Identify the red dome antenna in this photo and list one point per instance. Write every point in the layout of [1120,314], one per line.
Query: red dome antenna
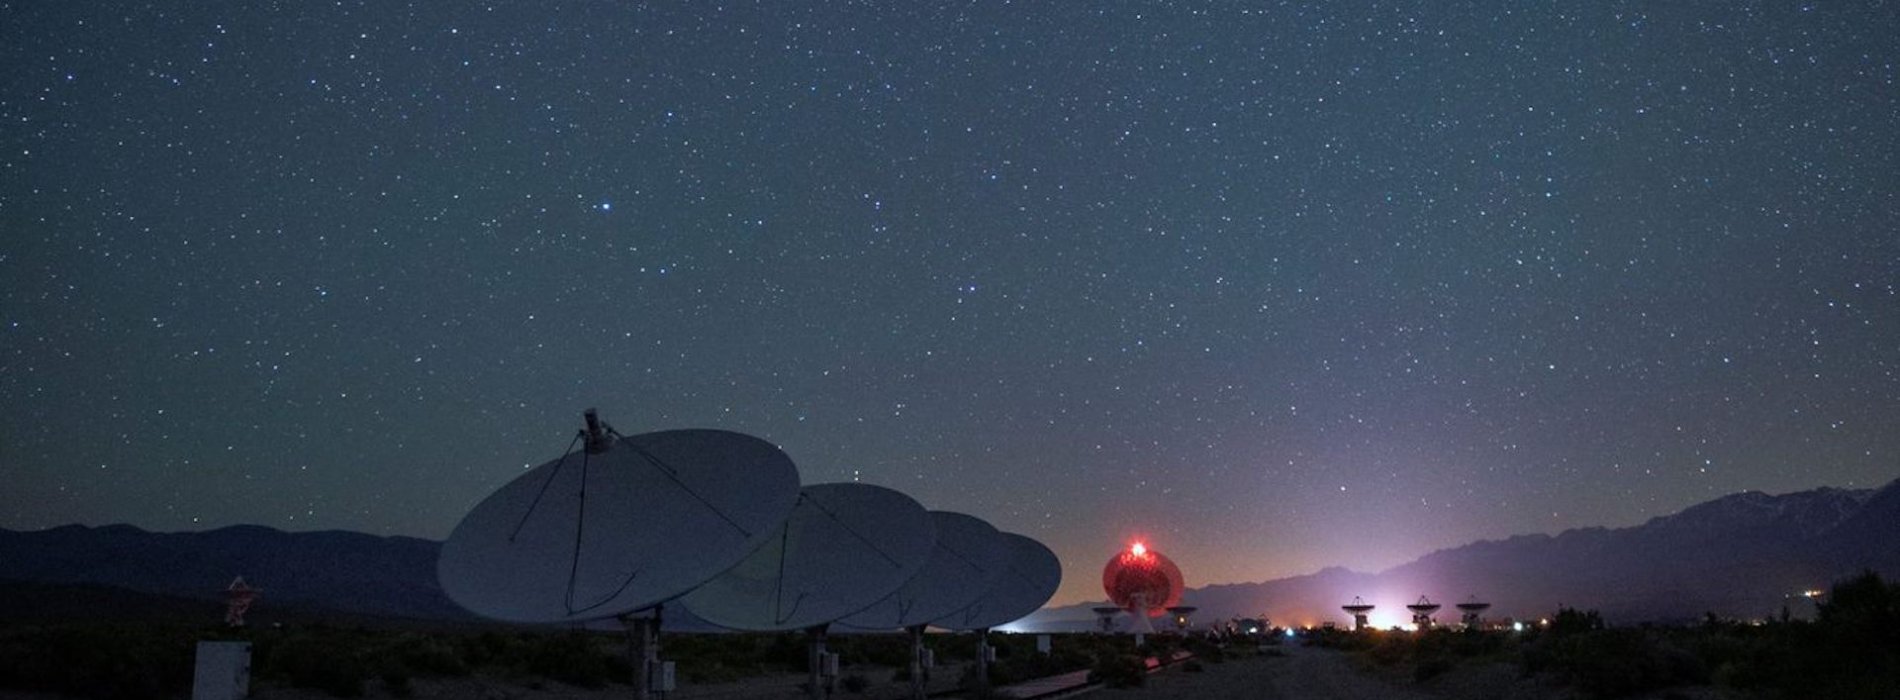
[1143,582]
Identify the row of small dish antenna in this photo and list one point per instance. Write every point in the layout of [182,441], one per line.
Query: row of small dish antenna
[1422,611]
[718,522]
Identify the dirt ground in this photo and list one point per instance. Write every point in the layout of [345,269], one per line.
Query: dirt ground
[1304,673]
[1297,673]
[774,687]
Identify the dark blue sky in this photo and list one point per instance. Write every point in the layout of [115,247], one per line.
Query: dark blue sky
[1312,284]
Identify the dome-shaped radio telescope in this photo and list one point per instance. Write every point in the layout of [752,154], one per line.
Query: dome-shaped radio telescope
[1144,582]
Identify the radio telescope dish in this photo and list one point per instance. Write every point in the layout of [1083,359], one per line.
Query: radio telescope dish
[968,556]
[1473,611]
[1361,612]
[1142,581]
[1422,612]
[845,547]
[618,526]
[1033,575]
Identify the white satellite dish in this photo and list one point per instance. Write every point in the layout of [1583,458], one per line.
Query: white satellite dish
[844,547]
[1034,574]
[968,558]
[620,526]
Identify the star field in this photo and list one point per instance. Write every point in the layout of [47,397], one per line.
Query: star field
[1275,288]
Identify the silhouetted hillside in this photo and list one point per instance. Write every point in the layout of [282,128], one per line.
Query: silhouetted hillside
[342,571]
[1741,555]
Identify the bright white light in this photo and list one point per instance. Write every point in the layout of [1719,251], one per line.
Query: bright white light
[1289,632]
[1384,619]
[1139,549]
[1517,627]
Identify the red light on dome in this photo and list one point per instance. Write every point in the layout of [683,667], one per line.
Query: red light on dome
[1143,581]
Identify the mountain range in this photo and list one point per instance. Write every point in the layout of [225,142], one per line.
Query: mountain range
[1743,555]
[348,572]
[1746,555]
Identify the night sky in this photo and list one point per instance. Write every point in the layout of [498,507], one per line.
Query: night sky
[1311,284]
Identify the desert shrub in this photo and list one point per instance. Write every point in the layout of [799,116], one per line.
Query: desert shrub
[490,649]
[574,658]
[1473,643]
[1160,646]
[955,647]
[1430,668]
[887,650]
[717,658]
[318,659]
[1390,650]
[968,682]
[1852,652]
[1721,649]
[427,655]
[789,651]
[1863,610]
[1345,640]
[1615,663]
[1119,671]
[1205,650]
[707,671]
[109,663]
[1573,621]
[396,681]
[1019,666]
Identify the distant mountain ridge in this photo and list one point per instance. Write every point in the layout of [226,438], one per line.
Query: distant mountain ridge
[1743,555]
[343,571]
[1739,555]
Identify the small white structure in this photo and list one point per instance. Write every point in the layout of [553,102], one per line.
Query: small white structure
[223,671]
[662,677]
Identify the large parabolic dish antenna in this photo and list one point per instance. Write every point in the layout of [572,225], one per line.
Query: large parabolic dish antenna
[968,557]
[845,547]
[1142,581]
[1034,574]
[618,527]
